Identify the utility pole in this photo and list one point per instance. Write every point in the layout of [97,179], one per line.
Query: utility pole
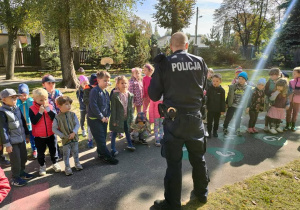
[196,27]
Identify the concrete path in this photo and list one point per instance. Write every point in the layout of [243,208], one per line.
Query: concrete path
[137,180]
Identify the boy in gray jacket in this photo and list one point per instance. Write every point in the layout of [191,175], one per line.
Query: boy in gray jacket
[14,133]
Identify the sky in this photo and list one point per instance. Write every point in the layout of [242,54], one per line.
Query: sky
[206,10]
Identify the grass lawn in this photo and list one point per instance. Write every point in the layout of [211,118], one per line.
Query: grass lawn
[275,189]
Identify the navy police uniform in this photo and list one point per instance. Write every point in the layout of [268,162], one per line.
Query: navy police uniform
[181,79]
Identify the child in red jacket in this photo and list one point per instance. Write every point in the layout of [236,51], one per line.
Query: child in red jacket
[4,185]
[41,115]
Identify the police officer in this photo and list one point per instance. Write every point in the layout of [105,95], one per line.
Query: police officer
[181,78]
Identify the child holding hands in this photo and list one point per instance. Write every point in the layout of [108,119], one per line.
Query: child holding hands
[121,113]
[66,126]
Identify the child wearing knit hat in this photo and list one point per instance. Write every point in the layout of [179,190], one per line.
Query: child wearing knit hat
[83,81]
[236,102]
[256,104]
[24,102]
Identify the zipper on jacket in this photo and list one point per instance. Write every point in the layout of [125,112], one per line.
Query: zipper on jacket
[45,124]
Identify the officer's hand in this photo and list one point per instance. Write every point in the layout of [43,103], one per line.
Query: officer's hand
[103,119]
[9,149]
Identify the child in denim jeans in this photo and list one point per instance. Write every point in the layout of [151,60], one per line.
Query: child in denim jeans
[14,133]
[66,126]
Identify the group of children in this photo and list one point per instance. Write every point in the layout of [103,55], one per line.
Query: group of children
[39,120]
[278,97]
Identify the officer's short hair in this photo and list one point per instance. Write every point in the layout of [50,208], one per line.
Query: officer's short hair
[179,39]
[219,76]
[102,74]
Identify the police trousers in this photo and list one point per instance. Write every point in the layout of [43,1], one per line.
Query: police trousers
[186,129]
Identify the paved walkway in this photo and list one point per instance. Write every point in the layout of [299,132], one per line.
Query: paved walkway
[137,180]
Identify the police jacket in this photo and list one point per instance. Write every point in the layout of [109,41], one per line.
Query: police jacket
[180,78]
[215,99]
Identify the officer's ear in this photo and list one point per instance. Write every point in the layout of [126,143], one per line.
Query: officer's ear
[186,45]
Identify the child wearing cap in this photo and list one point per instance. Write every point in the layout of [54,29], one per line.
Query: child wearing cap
[238,70]
[66,126]
[24,102]
[48,82]
[86,95]
[14,133]
[41,115]
[83,81]
[235,103]
[256,104]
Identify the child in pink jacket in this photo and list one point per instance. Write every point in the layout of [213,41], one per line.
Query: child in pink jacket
[148,71]
[294,96]
[155,118]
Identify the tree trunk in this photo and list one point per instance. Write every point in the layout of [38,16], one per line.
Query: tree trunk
[12,45]
[66,58]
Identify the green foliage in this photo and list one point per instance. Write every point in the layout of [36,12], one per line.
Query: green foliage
[137,49]
[220,55]
[174,14]
[49,57]
[289,38]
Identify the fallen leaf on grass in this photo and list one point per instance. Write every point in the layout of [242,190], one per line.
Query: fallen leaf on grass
[253,202]
[296,178]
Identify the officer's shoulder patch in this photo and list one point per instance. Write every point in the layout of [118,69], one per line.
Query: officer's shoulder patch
[159,58]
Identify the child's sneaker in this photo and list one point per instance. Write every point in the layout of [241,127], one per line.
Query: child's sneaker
[287,127]
[42,170]
[109,160]
[120,135]
[215,134]
[34,154]
[143,141]
[209,135]
[254,130]
[68,171]
[78,166]
[238,132]
[293,127]
[114,153]
[18,182]
[250,130]
[273,130]
[157,143]
[56,167]
[266,129]
[90,143]
[131,148]
[279,130]
[225,131]
[26,176]
[84,133]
